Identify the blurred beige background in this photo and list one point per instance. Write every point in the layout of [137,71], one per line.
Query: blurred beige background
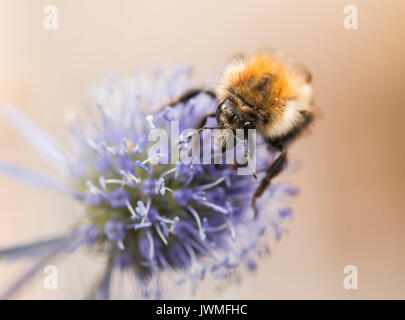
[351,208]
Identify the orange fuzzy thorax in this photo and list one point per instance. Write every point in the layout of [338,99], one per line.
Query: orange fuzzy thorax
[244,77]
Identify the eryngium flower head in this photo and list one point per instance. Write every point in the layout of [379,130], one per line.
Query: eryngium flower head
[191,221]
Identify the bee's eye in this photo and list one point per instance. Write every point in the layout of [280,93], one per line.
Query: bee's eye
[234,118]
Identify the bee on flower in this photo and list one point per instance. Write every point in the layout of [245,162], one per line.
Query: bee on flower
[193,222]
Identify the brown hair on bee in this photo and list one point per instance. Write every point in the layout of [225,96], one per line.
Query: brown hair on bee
[254,94]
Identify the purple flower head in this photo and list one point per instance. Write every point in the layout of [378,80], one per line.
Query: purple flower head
[118,198]
[125,163]
[93,199]
[102,163]
[116,230]
[189,222]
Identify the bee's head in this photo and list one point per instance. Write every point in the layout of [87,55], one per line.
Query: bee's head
[248,104]
[234,112]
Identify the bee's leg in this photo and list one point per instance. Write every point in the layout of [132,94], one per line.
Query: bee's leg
[272,171]
[203,120]
[189,94]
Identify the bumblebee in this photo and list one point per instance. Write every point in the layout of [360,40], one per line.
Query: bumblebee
[263,92]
